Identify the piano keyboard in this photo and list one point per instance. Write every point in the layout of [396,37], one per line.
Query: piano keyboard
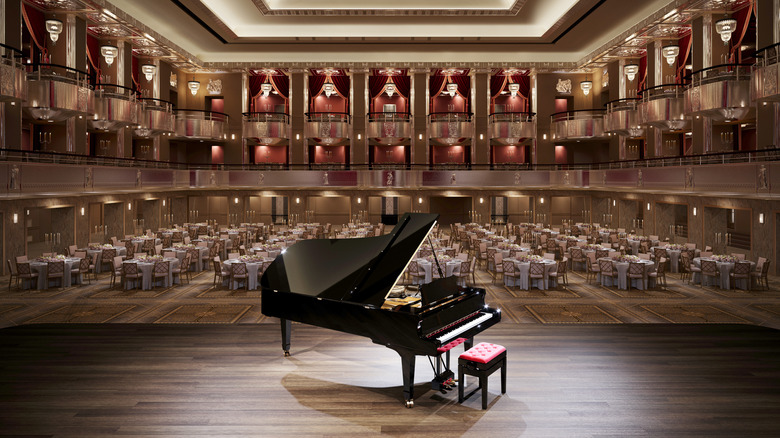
[446,337]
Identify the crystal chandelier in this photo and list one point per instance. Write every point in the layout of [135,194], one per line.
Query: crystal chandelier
[54,27]
[514,89]
[194,86]
[109,52]
[631,70]
[390,89]
[586,87]
[725,27]
[148,71]
[452,89]
[670,53]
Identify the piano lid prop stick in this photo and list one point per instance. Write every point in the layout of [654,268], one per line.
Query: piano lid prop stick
[364,276]
[436,259]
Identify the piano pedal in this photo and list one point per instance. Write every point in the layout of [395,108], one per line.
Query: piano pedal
[409,404]
[286,353]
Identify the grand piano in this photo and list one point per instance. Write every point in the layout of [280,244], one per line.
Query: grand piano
[352,285]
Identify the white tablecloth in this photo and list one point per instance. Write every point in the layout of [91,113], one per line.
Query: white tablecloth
[252,269]
[120,251]
[42,268]
[725,269]
[451,268]
[195,265]
[622,279]
[147,271]
[523,268]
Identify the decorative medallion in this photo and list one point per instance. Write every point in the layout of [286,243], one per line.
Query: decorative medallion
[563,86]
[214,86]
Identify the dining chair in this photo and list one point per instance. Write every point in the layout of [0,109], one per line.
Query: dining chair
[21,258]
[416,275]
[233,255]
[607,270]
[107,257]
[13,273]
[116,272]
[129,250]
[739,256]
[238,272]
[659,274]
[161,270]
[636,270]
[762,277]
[72,249]
[169,254]
[536,272]
[742,270]
[55,271]
[158,249]
[25,273]
[219,273]
[497,265]
[81,273]
[560,273]
[463,273]
[709,269]
[148,246]
[509,271]
[130,272]
[602,253]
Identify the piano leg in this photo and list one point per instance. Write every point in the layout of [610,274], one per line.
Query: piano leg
[286,329]
[407,368]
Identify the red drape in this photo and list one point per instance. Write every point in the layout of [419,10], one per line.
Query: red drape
[255,81]
[682,58]
[281,84]
[134,73]
[642,74]
[35,22]
[342,85]
[315,85]
[525,88]
[93,53]
[403,85]
[743,17]
[436,84]
[497,83]
[376,85]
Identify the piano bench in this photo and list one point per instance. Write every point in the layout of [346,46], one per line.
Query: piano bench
[445,349]
[481,361]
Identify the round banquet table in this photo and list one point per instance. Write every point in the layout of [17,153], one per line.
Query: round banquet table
[42,268]
[622,278]
[725,269]
[450,268]
[146,270]
[523,268]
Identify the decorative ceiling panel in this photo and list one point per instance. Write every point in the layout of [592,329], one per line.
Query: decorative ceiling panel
[421,8]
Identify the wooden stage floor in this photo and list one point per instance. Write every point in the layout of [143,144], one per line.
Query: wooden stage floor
[188,380]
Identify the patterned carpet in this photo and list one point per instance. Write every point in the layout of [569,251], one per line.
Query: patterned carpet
[579,303]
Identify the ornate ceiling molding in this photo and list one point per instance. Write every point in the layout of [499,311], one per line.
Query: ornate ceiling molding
[513,10]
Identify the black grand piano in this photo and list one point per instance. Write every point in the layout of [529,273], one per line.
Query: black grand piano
[350,285]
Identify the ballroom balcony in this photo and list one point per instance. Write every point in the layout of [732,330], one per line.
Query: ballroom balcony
[328,128]
[155,117]
[56,93]
[721,92]
[266,128]
[622,118]
[13,80]
[511,128]
[578,125]
[115,107]
[765,82]
[390,128]
[663,107]
[201,125]
[450,128]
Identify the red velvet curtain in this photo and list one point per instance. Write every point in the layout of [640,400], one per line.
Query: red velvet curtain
[342,85]
[376,84]
[403,85]
[682,58]
[642,74]
[255,81]
[525,88]
[35,22]
[134,73]
[281,84]
[497,83]
[436,85]
[93,52]
[315,85]
[743,17]
[464,88]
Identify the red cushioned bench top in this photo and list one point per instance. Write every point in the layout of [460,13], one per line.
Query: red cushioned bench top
[482,352]
[450,345]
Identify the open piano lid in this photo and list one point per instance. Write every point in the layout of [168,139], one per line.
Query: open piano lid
[332,268]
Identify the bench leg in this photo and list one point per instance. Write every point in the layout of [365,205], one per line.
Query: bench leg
[483,382]
[503,377]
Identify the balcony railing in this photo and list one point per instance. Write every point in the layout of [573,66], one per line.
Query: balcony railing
[155,116]
[13,81]
[721,92]
[201,125]
[328,128]
[56,92]
[389,128]
[663,107]
[765,83]
[511,128]
[450,128]
[116,107]
[578,125]
[622,117]
[266,128]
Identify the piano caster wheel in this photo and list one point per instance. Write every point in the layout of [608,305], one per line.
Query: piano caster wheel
[410,404]
[286,353]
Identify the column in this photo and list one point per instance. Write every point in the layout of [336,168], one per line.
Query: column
[11,112]
[480,104]
[298,109]
[420,147]
[767,113]
[359,103]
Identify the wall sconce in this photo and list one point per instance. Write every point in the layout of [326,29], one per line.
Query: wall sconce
[390,89]
[514,89]
[82,211]
[360,136]
[16,218]
[648,206]
[109,52]
[420,137]
[148,71]
[586,87]
[541,200]
[359,200]
[614,202]
[163,202]
[232,136]
[235,200]
[481,200]
[631,70]
[54,27]
[194,86]
[451,89]
[297,136]
[297,200]
[694,211]
[129,205]
[266,89]
[670,53]
[419,200]
[544,136]
[761,218]
[329,90]
[724,28]
[481,136]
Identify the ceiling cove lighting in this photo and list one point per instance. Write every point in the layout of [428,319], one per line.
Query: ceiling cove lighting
[54,27]
[109,52]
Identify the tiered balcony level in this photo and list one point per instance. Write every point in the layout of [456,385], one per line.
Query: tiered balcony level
[155,117]
[622,118]
[766,76]
[450,128]
[578,125]
[201,125]
[512,128]
[328,129]
[115,107]
[390,128]
[663,107]
[56,93]
[266,128]
[721,92]
[13,80]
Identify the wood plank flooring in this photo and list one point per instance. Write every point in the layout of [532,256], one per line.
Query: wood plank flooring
[193,380]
